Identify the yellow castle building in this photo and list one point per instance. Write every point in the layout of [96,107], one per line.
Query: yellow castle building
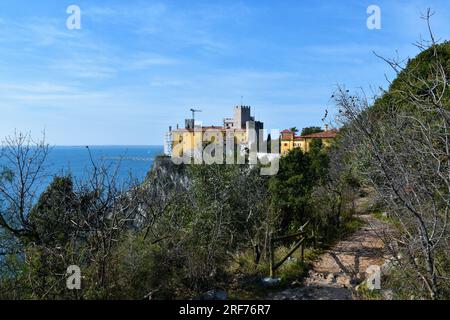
[183,141]
[290,141]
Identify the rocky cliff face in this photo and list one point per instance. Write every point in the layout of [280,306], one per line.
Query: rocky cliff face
[163,165]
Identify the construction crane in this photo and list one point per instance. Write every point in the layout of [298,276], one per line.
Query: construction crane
[193,114]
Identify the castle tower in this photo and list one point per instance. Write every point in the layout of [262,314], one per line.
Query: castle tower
[241,116]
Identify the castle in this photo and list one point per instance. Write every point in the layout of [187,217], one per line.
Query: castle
[179,142]
[183,141]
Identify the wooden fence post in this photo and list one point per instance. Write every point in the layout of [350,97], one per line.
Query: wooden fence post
[303,252]
[300,243]
[272,258]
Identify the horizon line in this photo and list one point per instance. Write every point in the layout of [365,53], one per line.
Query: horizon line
[105,145]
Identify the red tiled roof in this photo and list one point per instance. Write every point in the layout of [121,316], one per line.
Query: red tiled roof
[209,128]
[322,135]
[290,138]
[286,131]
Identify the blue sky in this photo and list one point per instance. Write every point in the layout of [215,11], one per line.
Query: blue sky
[136,67]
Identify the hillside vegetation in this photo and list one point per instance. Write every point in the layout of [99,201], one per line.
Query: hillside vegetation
[399,146]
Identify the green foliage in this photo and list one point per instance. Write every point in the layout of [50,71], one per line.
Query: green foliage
[51,216]
[351,225]
[139,270]
[228,211]
[6,174]
[365,293]
[292,271]
[399,147]
[417,69]
[311,130]
[291,188]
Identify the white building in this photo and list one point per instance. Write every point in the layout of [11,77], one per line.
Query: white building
[168,142]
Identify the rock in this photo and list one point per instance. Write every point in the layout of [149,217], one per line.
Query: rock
[331,278]
[296,283]
[343,281]
[388,264]
[387,294]
[270,281]
[292,259]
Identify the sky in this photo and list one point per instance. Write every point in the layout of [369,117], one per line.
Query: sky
[137,67]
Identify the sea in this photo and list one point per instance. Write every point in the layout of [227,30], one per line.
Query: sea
[78,161]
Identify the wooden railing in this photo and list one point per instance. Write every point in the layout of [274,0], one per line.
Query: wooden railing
[300,235]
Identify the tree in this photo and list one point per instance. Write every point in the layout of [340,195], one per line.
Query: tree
[333,198]
[401,144]
[53,213]
[291,187]
[311,130]
[22,177]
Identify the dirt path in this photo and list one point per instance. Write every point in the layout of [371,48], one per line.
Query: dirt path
[337,272]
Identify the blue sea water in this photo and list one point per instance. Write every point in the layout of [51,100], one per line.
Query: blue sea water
[130,160]
[129,164]
[124,161]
